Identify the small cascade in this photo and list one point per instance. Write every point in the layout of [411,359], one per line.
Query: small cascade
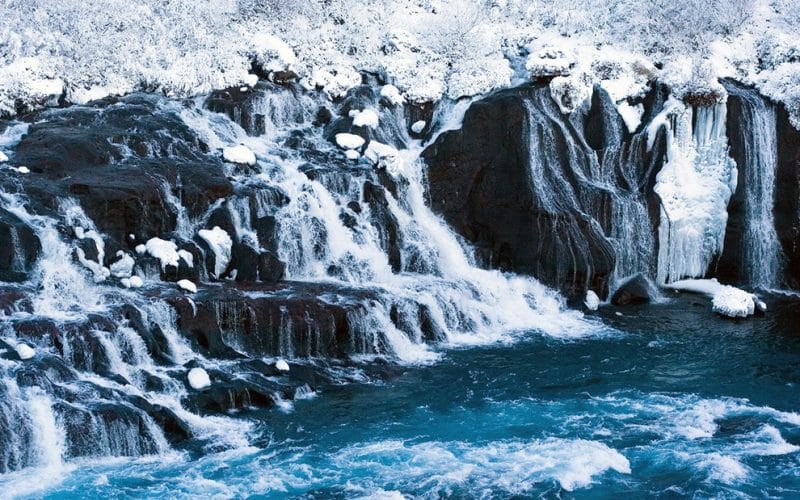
[589,200]
[695,185]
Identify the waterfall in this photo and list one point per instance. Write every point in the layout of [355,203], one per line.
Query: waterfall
[695,185]
[761,256]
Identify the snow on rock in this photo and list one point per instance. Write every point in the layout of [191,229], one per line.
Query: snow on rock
[349,141]
[392,94]
[352,154]
[479,76]
[187,257]
[136,282]
[385,156]
[24,351]
[335,80]
[733,303]
[725,299]
[163,250]
[366,118]
[282,365]
[188,286]
[239,154]
[3,157]
[631,115]
[198,378]
[418,126]
[141,249]
[272,53]
[592,301]
[122,268]
[23,170]
[221,244]
[251,80]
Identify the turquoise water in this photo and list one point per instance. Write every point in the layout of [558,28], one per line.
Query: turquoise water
[666,400]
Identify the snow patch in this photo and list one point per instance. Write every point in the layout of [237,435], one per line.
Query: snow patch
[239,154]
[122,268]
[221,244]
[418,126]
[392,94]
[382,155]
[282,365]
[726,300]
[349,141]
[592,301]
[188,286]
[163,250]
[366,118]
[24,351]
[198,378]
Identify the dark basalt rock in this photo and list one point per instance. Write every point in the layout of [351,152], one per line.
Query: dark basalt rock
[19,247]
[635,290]
[243,105]
[480,182]
[787,197]
[291,319]
[121,163]
[385,222]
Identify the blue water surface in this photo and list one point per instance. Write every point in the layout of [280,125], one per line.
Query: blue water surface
[665,400]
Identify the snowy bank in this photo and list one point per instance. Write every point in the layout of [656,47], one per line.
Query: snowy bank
[726,300]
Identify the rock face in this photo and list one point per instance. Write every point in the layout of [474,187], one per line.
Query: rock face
[20,247]
[516,182]
[787,198]
[121,167]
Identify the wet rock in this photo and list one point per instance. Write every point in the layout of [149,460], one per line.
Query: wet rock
[480,182]
[19,247]
[787,197]
[635,290]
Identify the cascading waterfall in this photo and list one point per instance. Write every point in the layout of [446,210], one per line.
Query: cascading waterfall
[695,185]
[761,253]
[576,189]
[118,359]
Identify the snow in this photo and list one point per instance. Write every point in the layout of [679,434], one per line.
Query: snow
[349,141]
[366,118]
[198,378]
[282,365]
[392,94]
[141,249]
[24,351]
[725,299]
[23,170]
[187,257]
[187,285]
[136,282]
[592,301]
[239,154]
[479,76]
[631,115]
[385,156]
[3,157]
[272,53]
[163,250]
[221,244]
[251,80]
[352,154]
[122,268]
[418,126]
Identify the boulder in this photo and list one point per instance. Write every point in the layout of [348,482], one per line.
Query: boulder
[19,247]
[635,290]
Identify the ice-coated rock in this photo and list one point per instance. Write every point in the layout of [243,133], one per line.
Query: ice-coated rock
[592,301]
[188,286]
[198,378]
[239,154]
[24,351]
[349,141]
